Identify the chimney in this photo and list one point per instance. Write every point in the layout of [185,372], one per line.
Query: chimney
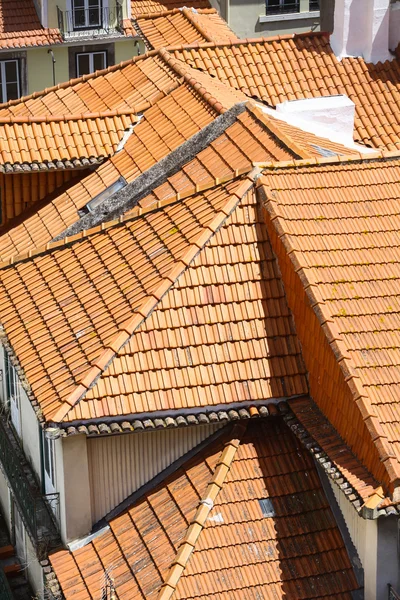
[328,116]
[361,28]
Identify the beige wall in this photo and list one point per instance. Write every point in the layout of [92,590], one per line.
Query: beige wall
[121,464]
[246,19]
[124,50]
[364,535]
[72,475]
[40,69]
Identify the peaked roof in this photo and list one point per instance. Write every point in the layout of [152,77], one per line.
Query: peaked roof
[228,156]
[21,28]
[140,7]
[339,224]
[303,66]
[183,26]
[246,516]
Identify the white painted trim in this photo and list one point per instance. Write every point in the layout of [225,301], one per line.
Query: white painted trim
[289,16]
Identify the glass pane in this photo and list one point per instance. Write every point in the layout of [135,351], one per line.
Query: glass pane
[99,61]
[11,71]
[83,64]
[12,91]
[94,16]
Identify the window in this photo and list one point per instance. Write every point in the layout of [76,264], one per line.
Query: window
[49,465]
[9,80]
[89,62]
[314,5]
[275,7]
[86,14]
[13,393]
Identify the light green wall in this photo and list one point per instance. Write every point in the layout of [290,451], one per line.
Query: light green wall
[40,70]
[124,50]
[52,11]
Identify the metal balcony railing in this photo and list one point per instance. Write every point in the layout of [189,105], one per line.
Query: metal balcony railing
[392,594]
[39,512]
[5,590]
[280,7]
[90,22]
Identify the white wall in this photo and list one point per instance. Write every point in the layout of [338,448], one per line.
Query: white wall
[30,434]
[121,464]
[394,26]
[364,535]
[72,476]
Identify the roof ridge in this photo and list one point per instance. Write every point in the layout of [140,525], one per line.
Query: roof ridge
[244,41]
[188,12]
[15,120]
[185,71]
[273,127]
[338,158]
[127,329]
[76,80]
[135,213]
[204,508]
[172,11]
[332,333]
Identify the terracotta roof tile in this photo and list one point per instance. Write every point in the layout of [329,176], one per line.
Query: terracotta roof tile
[341,224]
[21,28]
[221,335]
[270,530]
[61,142]
[183,27]
[140,7]
[301,66]
[232,153]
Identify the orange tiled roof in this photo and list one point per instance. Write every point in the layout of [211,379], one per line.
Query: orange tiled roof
[164,127]
[20,26]
[89,330]
[303,66]
[61,142]
[268,532]
[183,26]
[262,137]
[340,224]
[134,84]
[140,7]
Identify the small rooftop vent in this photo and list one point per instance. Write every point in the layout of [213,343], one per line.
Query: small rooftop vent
[105,194]
[333,115]
[267,508]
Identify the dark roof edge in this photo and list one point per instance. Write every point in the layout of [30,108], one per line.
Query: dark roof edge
[167,419]
[323,459]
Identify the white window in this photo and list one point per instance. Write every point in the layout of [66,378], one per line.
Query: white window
[86,14]
[13,393]
[89,62]
[49,465]
[275,7]
[9,80]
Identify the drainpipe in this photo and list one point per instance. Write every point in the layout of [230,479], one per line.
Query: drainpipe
[53,60]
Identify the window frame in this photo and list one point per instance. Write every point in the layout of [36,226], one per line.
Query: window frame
[280,9]
[91,60]
[49,465]
[4,98]
[87,26]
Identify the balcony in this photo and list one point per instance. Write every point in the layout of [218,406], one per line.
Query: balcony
[39,512]
[393,595]
[90,23]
